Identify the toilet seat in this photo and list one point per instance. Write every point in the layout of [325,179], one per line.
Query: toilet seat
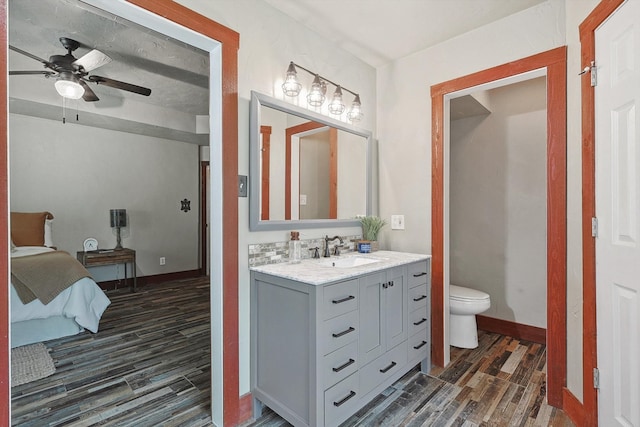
[462,294]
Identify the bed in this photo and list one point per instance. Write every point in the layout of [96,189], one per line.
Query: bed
[67,311]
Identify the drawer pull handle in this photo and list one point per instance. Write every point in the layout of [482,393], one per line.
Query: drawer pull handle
[420,298]
[388,367]
[341,367]
[422,344]
[419,322]
[424,273]
[345,299]
[391,283]
[345,332]
[343,401]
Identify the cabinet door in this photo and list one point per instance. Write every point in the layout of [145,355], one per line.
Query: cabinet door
[370,340]
[395,301]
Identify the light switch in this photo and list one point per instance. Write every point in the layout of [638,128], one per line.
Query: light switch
[303,199]
[397,222]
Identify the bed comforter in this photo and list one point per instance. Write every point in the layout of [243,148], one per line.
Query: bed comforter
[83,301]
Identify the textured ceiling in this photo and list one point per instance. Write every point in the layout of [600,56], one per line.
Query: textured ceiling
[177,73]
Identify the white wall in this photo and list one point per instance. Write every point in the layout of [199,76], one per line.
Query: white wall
[498,202]
[78,173]
[269,40]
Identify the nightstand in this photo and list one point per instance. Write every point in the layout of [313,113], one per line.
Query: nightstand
[111,257]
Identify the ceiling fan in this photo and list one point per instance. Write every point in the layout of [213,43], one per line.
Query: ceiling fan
[72,74]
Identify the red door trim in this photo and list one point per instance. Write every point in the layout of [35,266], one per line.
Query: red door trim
[589,329]
[555,62]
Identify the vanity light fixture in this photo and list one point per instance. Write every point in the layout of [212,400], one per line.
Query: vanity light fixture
[291,85]
[317,94]
[336,106]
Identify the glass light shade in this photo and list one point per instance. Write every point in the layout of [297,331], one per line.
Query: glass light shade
[316,96]
[355,113]
[336,106]
[291,85]
[69,89]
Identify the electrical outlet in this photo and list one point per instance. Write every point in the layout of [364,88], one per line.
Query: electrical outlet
[163,260]
[397,222]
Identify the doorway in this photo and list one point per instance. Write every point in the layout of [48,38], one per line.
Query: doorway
[497,200]
[171,18]
[553,64]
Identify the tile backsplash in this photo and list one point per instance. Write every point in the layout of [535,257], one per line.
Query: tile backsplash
[277,252]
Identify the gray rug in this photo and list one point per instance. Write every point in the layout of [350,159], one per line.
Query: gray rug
[29,363]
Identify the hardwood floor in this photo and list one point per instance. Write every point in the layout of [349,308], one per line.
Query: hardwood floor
[149,365]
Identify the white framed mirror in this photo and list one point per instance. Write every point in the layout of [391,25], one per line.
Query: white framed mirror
[307,170]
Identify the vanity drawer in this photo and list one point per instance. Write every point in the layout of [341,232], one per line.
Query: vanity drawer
[341,400]
[418,273]
[340,298]
[382,368]
[418,320]
[419,346]
[339,331]
[340,364]
[418,297]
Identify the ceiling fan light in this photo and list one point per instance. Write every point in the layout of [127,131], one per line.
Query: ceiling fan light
[316,96]
[69,89]
[291,85]
[355,113]
[336,106]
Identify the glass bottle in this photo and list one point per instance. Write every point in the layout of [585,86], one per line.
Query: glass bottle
[295,248]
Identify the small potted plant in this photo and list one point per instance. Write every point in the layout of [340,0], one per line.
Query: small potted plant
[371,226]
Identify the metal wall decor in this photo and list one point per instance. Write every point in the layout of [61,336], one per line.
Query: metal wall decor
[186,205]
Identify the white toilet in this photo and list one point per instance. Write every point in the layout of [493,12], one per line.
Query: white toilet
[464,304]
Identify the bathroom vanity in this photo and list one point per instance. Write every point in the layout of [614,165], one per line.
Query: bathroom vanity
[328,335]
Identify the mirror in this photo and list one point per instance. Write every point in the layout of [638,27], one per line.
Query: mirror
[306,170]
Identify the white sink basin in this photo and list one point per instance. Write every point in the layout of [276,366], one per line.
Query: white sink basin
[348,262]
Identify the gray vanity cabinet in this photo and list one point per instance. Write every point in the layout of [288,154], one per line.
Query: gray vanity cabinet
[320,352]
[383,310]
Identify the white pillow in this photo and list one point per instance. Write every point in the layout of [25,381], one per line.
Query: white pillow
[48,225]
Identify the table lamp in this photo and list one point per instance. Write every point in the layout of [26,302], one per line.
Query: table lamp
[118,219]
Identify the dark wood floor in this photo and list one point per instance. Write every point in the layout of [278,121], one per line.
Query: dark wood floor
[149,365]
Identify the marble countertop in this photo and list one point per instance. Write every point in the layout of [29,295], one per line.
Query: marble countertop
[320,271]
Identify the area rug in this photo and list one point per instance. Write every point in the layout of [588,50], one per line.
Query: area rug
[29,363]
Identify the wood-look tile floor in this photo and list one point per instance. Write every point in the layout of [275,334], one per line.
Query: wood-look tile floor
[500,383]
[149,365]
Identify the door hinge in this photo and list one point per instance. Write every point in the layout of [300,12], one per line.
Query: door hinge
[594,227]
[594,73]
[596,378]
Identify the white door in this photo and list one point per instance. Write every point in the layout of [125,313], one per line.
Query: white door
[617,108]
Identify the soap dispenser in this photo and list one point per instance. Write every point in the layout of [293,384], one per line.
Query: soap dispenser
[295,248]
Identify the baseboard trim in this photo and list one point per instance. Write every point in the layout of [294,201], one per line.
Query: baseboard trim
[512,329]
[572,407]
[245,408]
[111,285]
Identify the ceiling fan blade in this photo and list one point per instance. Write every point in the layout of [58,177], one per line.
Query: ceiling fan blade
[26,73]
[120,85]
[46,63]
[89,95]
[92,60]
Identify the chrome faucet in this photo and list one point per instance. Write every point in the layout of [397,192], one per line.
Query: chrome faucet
[328,239]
